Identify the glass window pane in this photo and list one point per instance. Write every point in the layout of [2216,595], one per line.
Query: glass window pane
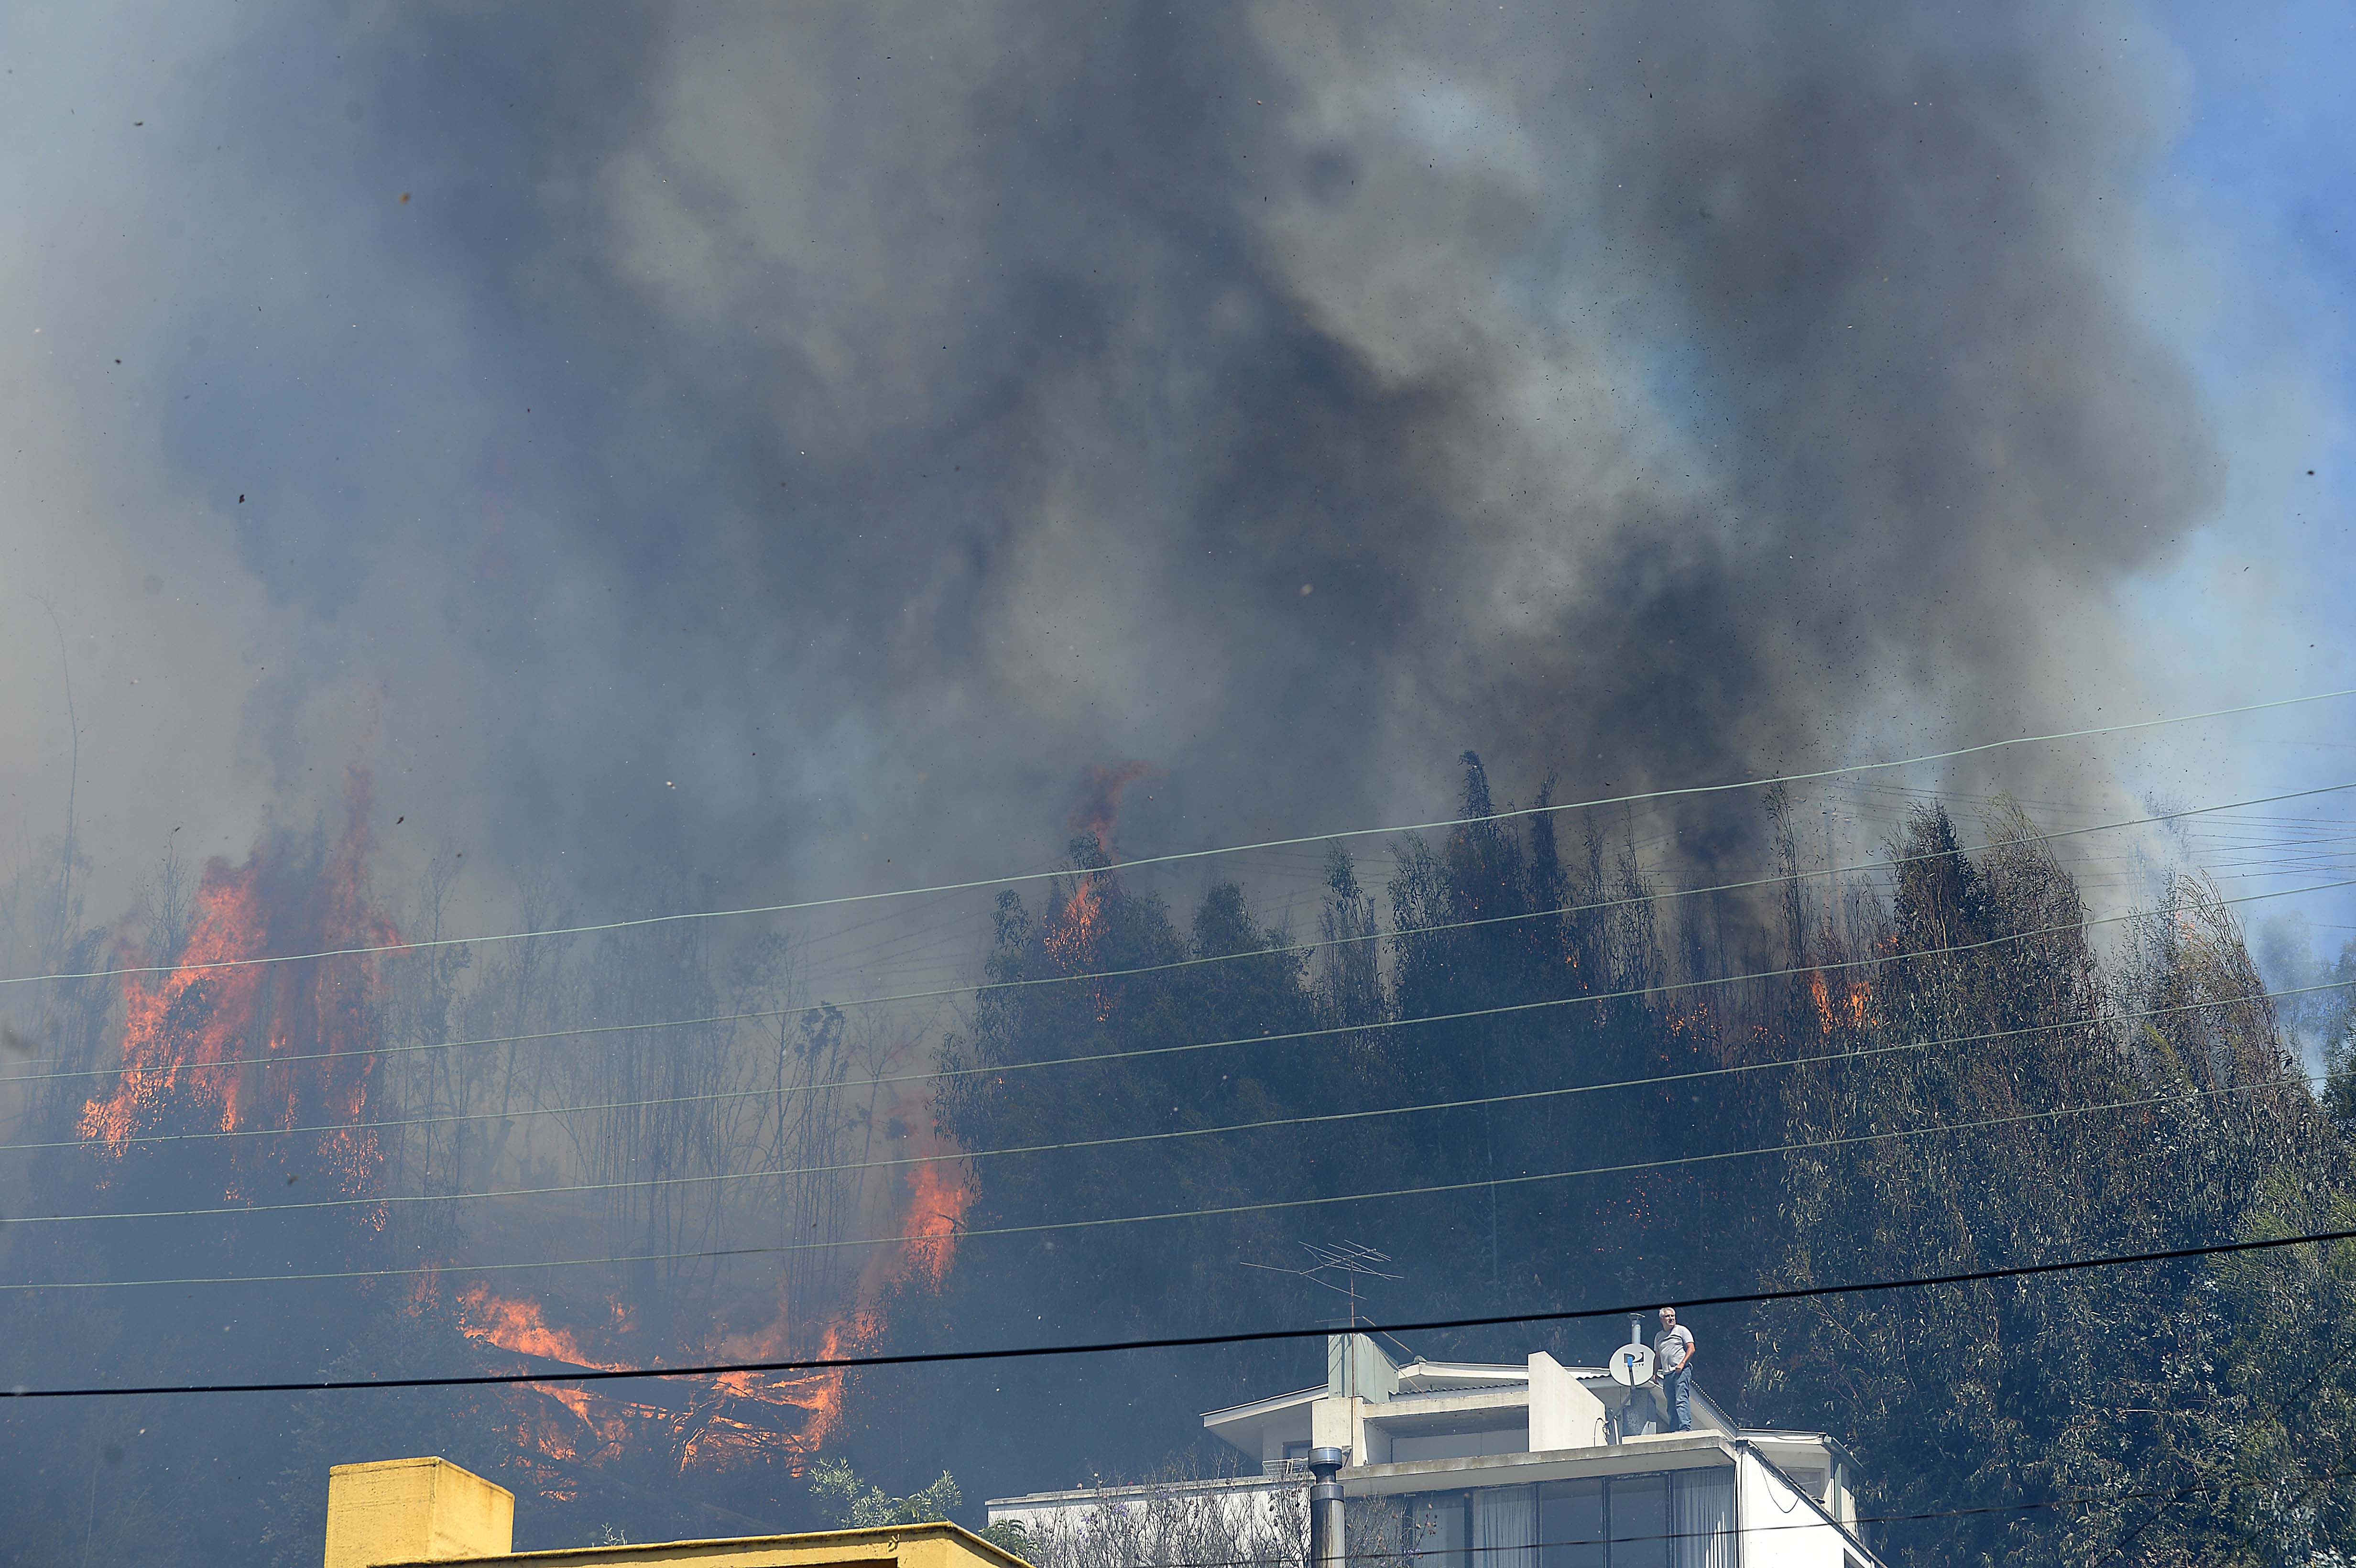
[1640,1521]
[1505,1526]
[1703,1517]
[1438,1530]
[1571,1525]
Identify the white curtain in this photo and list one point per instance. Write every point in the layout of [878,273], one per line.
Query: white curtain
[1701,1520]
[1505,1527]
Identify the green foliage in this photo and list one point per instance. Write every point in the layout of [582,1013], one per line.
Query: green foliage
[1009,1537]
[1324,1047]
[2074,1103]
[2340,1063]
[860,1505]
[2109,1384]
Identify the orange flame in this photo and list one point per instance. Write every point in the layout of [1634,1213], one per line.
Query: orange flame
[937,1202]
[522,1326]
[1099,806]
[1852,1008]
[737,1418]
[1073,935]
[201,1045]
[1072,938]
[936,1206]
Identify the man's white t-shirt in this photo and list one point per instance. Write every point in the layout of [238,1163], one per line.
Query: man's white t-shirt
[1673,1348]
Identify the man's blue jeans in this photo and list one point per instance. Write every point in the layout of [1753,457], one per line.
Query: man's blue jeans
[1677,1392]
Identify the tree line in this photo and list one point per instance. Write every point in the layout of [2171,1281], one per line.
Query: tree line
[1963,1074]
[1960,1071]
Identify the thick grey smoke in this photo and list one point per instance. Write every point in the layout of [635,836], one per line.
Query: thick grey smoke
[1293,399]
[786,448]
[708,454]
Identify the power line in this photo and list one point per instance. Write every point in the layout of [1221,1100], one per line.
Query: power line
[1198,1341]
[1272,1038]
[1216,1212]
[1191,1046]
[771,1014]
[1687,791]
[509,1115]
[1125,1139]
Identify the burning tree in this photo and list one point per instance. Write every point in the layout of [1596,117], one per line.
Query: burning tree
[349,1111]
[219,1044]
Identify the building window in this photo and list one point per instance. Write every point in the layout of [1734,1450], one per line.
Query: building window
[1701,1520]
[1640,1521]
[1505,1527]
[1439,1530]
[1682,1519]
[1408,1447]
[1570,1526]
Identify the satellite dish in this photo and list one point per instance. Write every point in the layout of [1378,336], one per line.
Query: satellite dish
[1631,1366]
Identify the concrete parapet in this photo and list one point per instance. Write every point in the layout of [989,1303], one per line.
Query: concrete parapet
[414,1510]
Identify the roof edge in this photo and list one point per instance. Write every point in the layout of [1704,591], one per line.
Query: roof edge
[638,1550]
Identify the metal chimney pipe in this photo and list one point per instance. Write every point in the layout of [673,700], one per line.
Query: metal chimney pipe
[1325,1542]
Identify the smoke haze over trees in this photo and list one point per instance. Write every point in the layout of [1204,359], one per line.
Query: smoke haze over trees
[486,471]
[2066,1103]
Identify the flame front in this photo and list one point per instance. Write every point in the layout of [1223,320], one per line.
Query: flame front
[1851,1007]
[936,1206]
[216,1043]
[272,1045]
[734,1418]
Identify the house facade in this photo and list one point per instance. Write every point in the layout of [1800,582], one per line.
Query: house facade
[1533,1465]
[402,1513]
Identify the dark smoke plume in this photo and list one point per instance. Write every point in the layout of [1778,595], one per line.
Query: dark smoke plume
[926,405]
[699,455]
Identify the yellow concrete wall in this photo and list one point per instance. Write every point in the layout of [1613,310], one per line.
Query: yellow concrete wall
[414,1510]
[903,1546]
[403,1512]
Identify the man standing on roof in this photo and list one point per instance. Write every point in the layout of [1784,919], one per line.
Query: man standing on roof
[1673,1353]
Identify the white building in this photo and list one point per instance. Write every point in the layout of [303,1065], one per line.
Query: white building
[1536,1465]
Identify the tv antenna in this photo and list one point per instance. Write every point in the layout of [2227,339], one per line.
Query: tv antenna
[1349,1260]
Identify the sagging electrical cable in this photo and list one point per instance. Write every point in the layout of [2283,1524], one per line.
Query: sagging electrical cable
[1131,1139]
[1198,1341]
[1176,964]
[212,1134]
[774,1014]
[1017,878]
[1326,1032]
[1219,1211]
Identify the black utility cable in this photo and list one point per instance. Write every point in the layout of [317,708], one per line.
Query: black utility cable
[1198,1341]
